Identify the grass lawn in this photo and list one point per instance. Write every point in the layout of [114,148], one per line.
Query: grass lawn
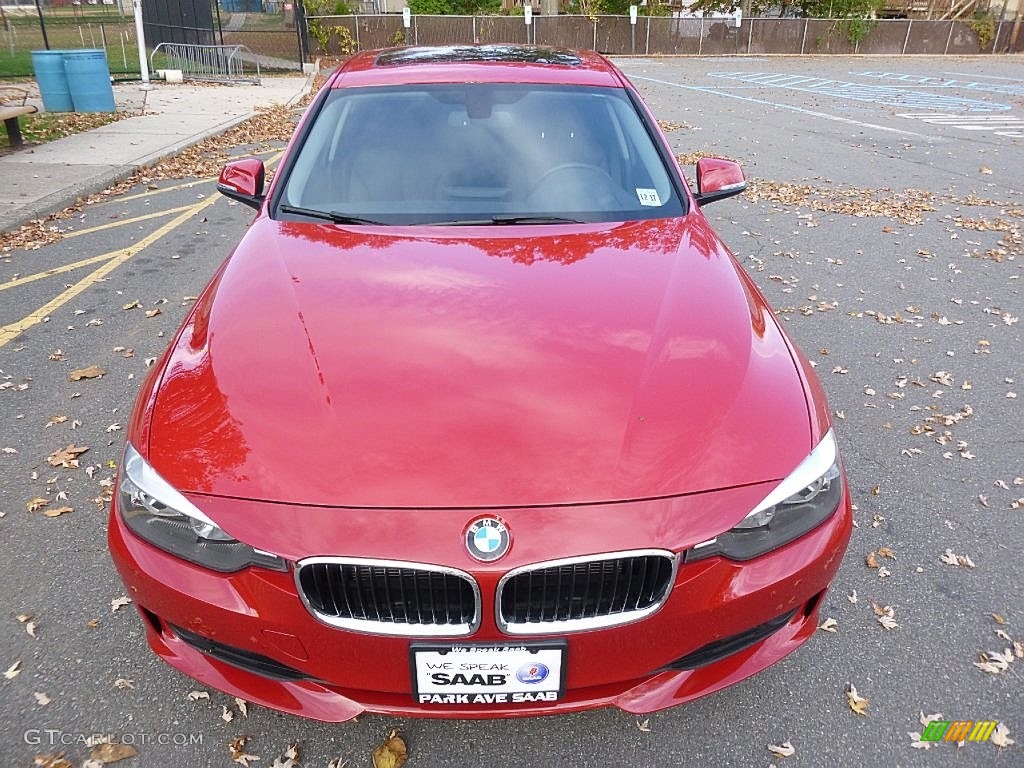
[47,126]
[17,44]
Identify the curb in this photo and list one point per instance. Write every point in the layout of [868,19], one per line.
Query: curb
[60,199]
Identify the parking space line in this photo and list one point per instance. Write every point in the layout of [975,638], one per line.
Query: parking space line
[790,107]
[882,95]
[122,222]
[11,331]
[61,269]
[194,182]
[112,259]
[161,190]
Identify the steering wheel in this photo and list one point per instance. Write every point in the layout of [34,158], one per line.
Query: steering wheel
[600,186]
[576,168]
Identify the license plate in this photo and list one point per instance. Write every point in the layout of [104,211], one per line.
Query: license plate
[488,674]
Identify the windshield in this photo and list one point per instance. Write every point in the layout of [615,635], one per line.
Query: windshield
[477,154]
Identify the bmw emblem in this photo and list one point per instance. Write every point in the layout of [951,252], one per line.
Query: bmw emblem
[487,538]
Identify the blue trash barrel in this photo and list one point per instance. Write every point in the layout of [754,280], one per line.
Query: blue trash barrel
[53,82]
[89,80]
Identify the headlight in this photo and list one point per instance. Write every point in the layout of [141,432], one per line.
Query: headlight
[800,503]
[156,512]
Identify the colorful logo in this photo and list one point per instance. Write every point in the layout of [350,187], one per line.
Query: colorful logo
[487,538]
[533,673]
[958,730]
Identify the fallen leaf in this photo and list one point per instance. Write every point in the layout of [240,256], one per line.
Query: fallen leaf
[829,625]
[391,754]
[36,504]
[995,662]
[1001,736]
[52,761]
[290,759]
[925,720]
[112,753]
[196,695]
[132,305]
[240,703]
[124,684]
[57,511]
[916,743]
[92,372]
[226,714]
[119,602]
[858,704]
[237,749]
[152,312]
[888,622]
[952,559]
[41,698]
[785,750]
[13,671]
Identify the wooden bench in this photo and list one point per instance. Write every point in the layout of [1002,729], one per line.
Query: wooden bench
[11,111]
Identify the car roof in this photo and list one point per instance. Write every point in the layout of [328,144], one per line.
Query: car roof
[477,63]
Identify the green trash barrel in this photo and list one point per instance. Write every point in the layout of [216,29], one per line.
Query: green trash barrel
[89,80]
[52,80]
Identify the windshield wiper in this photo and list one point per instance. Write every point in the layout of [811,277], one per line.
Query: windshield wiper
[332,216]
[506,220]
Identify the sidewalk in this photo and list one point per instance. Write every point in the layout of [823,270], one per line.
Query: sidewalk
[46,178]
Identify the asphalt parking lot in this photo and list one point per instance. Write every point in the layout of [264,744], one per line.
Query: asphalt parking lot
[884,222]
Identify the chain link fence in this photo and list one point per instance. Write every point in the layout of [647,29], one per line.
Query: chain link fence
[281,38]
[660,35]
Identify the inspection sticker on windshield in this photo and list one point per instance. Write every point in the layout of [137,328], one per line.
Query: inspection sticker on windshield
[488,674]
[648,196]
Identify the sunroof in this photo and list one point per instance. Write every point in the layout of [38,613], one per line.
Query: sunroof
[479,53]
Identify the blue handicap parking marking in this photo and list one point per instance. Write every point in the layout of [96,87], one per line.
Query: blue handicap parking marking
[881,95]
[1000,125]
[1008,88]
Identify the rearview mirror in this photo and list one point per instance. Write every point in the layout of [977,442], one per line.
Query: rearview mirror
[243,181]
[718,179]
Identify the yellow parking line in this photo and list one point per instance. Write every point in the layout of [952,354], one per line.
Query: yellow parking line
[122,222]
[92,259]
[194,182]
[152,192]
[61,269]
[10,332]
[113,259]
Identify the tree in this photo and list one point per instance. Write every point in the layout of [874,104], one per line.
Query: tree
[841,9]
[453,7]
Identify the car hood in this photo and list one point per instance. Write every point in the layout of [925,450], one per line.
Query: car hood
[484,367]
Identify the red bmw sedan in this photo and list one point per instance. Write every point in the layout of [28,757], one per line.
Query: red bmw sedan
[480,418]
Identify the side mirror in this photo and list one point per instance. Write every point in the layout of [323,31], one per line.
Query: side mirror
[718,179]
[243,181]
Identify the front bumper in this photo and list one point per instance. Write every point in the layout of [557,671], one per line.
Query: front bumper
[249,635]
